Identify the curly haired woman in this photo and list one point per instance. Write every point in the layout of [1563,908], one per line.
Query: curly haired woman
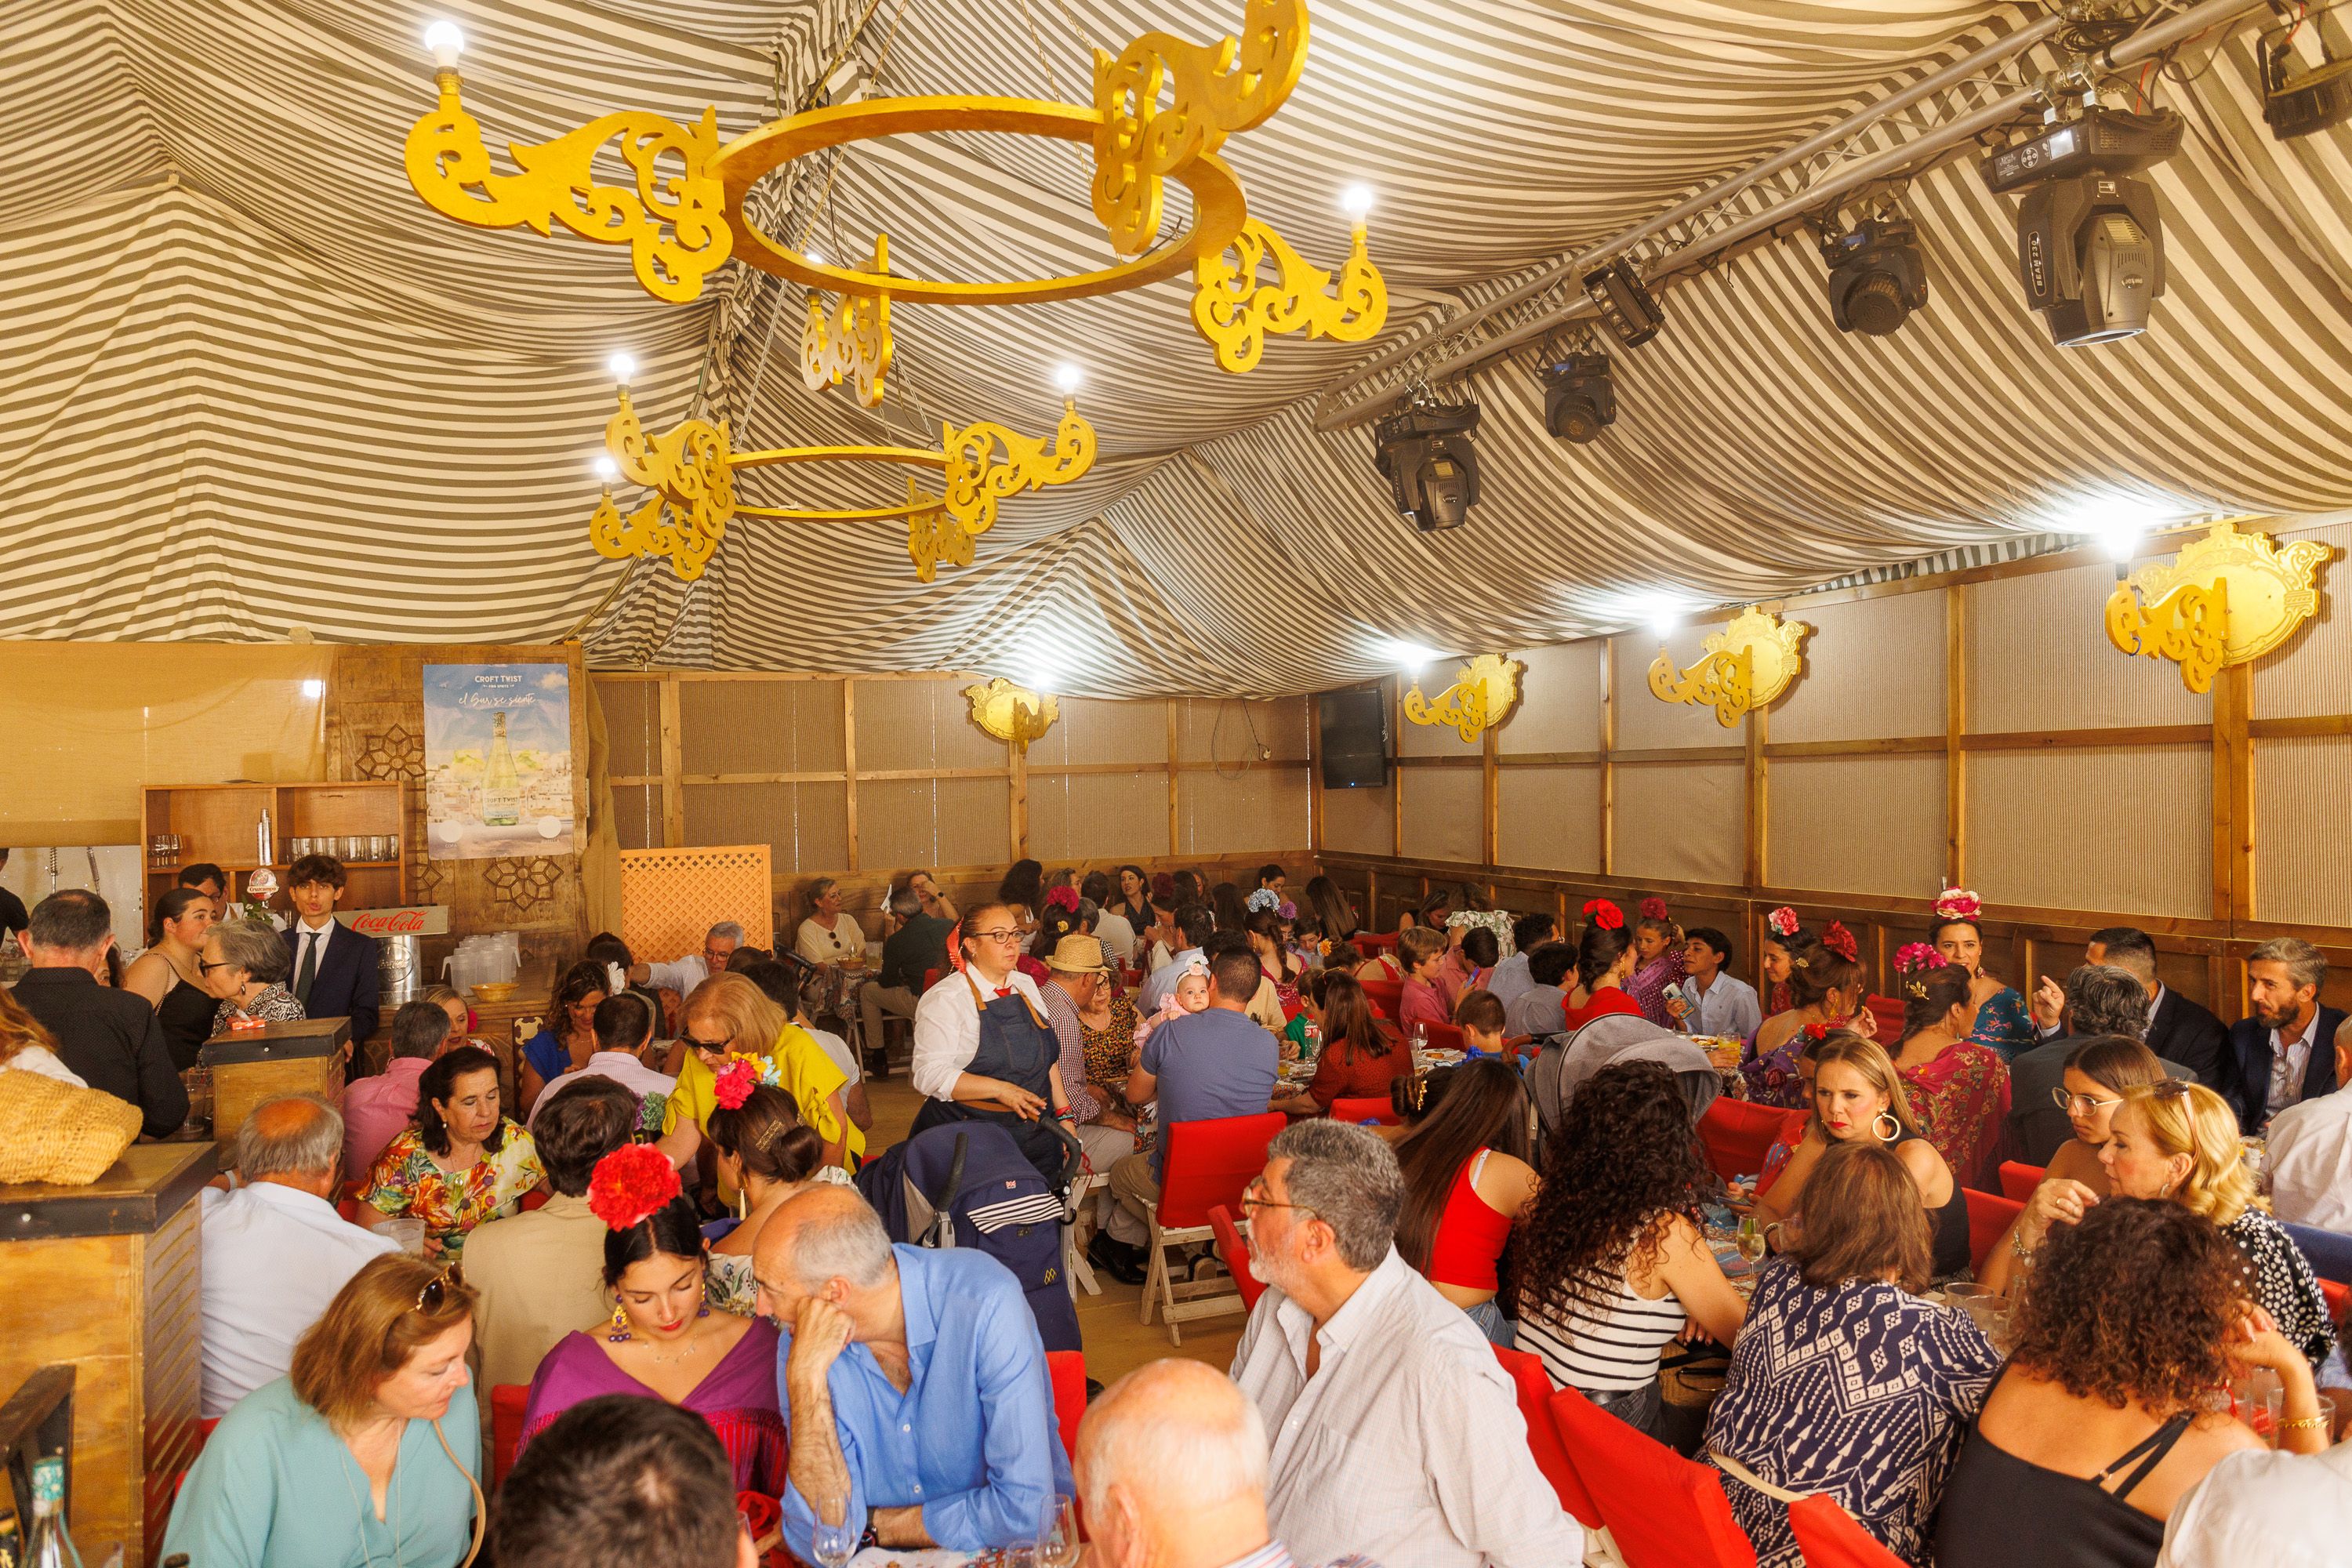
[1611,1262]
[2104,1415]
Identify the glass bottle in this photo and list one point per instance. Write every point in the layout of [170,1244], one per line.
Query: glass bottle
[501,792]
[49,1546]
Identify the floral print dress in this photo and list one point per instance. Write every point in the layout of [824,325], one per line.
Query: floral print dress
[1107,1050]
[406,1181]
[1961,1098]
[2005,1025]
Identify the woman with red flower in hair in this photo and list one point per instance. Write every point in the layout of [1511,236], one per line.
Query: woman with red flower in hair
[2003,1021]
[1825,981]
[1604,961]
[663,1342]
[1657,962]
[1782,935]
[1958,1086]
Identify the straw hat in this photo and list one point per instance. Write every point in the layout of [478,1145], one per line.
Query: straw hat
[1079,955]
[52,1131]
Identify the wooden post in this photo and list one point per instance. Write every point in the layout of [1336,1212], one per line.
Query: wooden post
[2233,796]
[1314,778]
[1956,723]
[1608,768]
[1489,807]
[1396,794]
[1175,818]
[1758,799]
[1016,777]
[849,766]
[673,763]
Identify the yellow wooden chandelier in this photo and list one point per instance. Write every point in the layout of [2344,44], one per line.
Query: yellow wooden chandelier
[1162,108]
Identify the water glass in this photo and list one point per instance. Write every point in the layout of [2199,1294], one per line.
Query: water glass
[1057,1538]
[833,1544]
[409,1233]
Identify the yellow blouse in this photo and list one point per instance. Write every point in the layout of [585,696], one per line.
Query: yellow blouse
[809,1076]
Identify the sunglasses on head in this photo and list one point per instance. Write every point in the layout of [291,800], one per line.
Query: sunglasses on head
[436,1289]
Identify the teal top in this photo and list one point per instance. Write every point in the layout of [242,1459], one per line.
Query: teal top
[275,1487]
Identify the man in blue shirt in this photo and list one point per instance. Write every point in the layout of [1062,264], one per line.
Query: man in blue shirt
[913,1383]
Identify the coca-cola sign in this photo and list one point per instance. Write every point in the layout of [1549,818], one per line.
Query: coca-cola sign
[416,920]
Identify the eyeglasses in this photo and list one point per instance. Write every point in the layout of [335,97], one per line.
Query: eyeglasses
[436,1289]
[702,1044]
[1251,1202]
[1003,933]
[2081,1104]
[205,966]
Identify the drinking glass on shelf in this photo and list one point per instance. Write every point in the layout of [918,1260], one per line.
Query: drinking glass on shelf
[833,1544]
[379,847]
[1057,1538]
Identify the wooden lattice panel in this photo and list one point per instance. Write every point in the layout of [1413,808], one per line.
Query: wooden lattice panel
[669,898]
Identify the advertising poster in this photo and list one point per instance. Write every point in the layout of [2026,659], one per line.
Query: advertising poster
[498,761]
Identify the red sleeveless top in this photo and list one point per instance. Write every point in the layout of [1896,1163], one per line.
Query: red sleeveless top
[1470,1234]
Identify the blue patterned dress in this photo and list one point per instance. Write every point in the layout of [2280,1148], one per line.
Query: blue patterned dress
[2005,1023]
[1863,1392]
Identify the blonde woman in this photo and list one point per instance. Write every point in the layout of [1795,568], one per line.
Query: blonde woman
[1858,1096]
[829,936]
[2179,1142]
[728,1015]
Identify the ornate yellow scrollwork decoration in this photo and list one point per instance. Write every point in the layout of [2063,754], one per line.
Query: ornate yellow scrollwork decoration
[1480,697]
[1236,313]
[690,473]
[1010,713]
[1747,666]
[850,338]
[1214,91]
[941,528]
[2227,598]
[674,221]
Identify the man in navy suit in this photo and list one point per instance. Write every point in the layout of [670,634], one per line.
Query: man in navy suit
[2284,1054]
[2178,1030]
[334,972]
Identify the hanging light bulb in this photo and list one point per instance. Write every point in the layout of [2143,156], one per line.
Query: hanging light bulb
[1356,200]
[607,469]
[447,41]
[1068,377]
[623,366]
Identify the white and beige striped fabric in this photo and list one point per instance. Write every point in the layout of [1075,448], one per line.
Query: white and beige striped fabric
[248,382]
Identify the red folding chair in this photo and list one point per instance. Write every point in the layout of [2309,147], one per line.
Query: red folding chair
[1662,1511]
[1887,1012]
[1988,1215]
[508,1400]
[1385,996]
[2018,1182]
[1737,1134]
[1829,1537]
[1068,1370]
[535,1199]
[1202,1164]
[1365,1110]
[1535,1391]
[931,977]
[1236,1252]
[2337,1294]
[1372,946]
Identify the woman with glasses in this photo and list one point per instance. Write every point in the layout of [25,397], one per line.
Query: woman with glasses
[728,1015]
[461,1162]
[984,1049]
[2178,1142]
[2099,1072]
[365,1453]
[243,964]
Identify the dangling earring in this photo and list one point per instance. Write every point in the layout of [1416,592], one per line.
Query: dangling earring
[1888,1117]
[620,1325]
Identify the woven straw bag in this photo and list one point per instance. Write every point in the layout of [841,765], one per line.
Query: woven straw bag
[52,1131]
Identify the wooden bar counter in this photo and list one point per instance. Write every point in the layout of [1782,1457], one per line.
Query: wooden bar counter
[304,1055]
[106,1277]
[502,1026]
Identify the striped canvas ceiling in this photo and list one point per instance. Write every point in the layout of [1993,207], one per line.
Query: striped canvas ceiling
[252,383]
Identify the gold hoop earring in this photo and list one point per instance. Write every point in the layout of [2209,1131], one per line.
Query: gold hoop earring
[1887,1116]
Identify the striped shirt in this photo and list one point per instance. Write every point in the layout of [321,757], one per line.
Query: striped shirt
[1600,1337]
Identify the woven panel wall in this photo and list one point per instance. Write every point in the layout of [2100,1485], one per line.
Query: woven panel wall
[1360,821]
[1229,730]
[804,826]
[908,823]
[1643,721]
[759,726]
[1559,701]
[1857,825]
[1226,813]
[2313,672]
[2124,829]
[1098,732]
[636,816]
[1442,814]
[1549,818]
[670,897]
[2039,659]
[1096,817]
[633,728]
[919,724]
[1872,668]
[1681,822]
[2303,858]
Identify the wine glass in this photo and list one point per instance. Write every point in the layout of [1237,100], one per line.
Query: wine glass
[834,1544]
[1751,1238]
[1057,1538]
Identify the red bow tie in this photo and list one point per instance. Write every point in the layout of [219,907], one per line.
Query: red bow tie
[1004,991]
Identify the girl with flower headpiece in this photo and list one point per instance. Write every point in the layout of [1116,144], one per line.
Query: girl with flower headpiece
[1958,1089]
[1604,961]
[1657,962]
[2003,1020]
[1826,986]
[1782,936]
[663,1341]
[770,1156]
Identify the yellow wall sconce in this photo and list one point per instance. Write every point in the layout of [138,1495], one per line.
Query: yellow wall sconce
[1747,666]
[2226,598]
[1482,696]
[1012,713]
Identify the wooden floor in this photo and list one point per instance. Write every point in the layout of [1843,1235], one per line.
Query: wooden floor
[1117,1342]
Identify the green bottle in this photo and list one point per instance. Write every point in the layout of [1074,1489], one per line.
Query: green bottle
[501,792]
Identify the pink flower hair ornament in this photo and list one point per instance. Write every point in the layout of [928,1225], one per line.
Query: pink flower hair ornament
[1063,899]
[1913,956]
[1781,923]
[1958,904]
[1653,908]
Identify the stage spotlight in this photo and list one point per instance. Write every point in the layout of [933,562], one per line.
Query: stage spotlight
[1580,398]
[2297,98]
[1877,276]
[1625,303]
[2090,245]
[1433,468]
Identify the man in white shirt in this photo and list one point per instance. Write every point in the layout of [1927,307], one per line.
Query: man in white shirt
[2276,1510]
[275,1250]
[1171,1464]
[682,975]
[1714,1002]
[1197,923]
[1511,978]
[2310,1152]
[1396,1432]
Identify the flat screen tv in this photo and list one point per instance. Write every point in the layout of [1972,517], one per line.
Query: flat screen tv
[1355,738]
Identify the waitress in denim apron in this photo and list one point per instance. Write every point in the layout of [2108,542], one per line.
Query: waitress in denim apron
[1010,1080]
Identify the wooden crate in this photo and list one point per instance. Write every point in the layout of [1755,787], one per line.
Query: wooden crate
[303,1056]
[671,897]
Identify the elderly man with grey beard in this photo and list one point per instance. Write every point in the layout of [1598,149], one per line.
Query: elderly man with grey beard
[1396,1433]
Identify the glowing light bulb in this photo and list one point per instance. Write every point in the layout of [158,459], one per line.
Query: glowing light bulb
[1068,377]
[816,258]
[2118,523]
[447,41]
[607,469]
[1356,200]
[314,690]
[623,368]
[1411,656]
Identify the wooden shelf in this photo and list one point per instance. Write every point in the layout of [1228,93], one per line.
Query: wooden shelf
[220,824]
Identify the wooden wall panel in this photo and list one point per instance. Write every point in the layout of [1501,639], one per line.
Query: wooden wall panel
[2312,674]
[1360,821]
[1549,817]
[921,724]
[1681,822]
[1442,814]
[1228,731]
[637,816]
[759,727]
[1857,824]
[2303,855]
[1259,808]
[2119,828]
[2039,659]
[1559,701]
[1081,816]
[1874,668]
[632,730]
[804,825]
[1096,732]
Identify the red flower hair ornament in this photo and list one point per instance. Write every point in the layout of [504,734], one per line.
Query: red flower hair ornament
[734,1085]
[1958,904]
[1653,908]
[1817,1031]
[1782,921]
[1063,899]
[1913,956]
[1840,940]
[630,1184]
[1605,914]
